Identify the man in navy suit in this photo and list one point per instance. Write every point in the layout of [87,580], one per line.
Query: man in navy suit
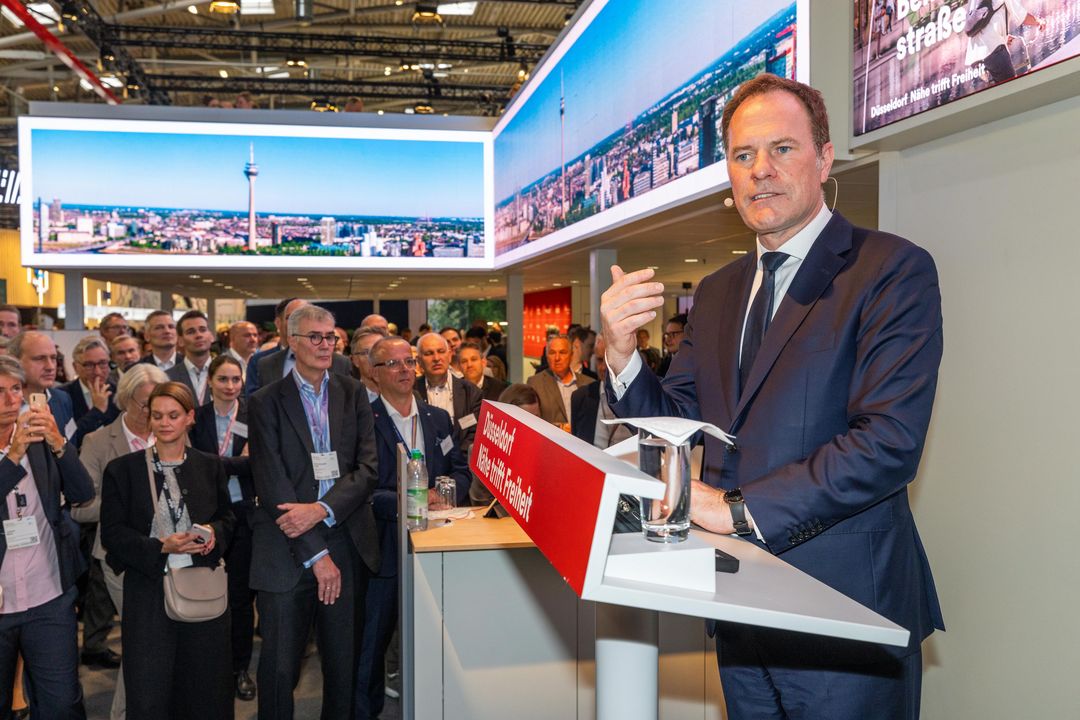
[90,392]
[399,418]
[36,352]
[827,382]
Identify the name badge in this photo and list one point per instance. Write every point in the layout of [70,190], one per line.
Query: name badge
[446,445]
[22,532]
[69,429]
[468,421]
[239,429]
[325,465]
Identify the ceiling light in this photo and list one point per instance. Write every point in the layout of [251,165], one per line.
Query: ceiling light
[690,260]
[69,10]
[556,284]
[278,75]
[387,70]
[132,83]
[56,88]
[193,10]
[523,72]
[296,61]
[112,81]
[85,85]
[654,267]
[208,280]
[426,14]
[456,8]
[323,105]
[256,7]
[193,277]
[380,112]
[43,12]
[440,74]
[223,73]
[301,279]
[739,252]
[424,109]
[225,7]
[107,54]
[409,111]
[303,12]
[493,280]
[444,66]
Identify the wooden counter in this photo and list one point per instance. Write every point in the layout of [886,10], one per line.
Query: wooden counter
[475,533]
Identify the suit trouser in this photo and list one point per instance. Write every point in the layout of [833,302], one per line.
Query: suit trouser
[285,619]
[97,608]
[779,675]
[241,596]
[380,619]
[47,637]
[114,583]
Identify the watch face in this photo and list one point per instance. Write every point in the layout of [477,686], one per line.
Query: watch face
[733,496]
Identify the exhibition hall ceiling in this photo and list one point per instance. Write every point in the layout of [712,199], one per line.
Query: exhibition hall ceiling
[703,230]
[461,58]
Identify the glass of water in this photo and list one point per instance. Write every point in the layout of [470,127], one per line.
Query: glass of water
[666,519]
[446,493]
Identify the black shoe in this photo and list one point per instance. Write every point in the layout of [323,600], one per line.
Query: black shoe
[245,686]
[105,659]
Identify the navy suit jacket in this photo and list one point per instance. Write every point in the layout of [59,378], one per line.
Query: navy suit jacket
[62,411]
[437,426]
[87,419]
[831,424]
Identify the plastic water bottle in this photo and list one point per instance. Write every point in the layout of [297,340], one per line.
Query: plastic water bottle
[416,489]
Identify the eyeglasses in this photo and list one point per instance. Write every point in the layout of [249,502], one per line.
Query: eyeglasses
[395,364]
[361,353]
[99,365]
[318,339]
[674,333]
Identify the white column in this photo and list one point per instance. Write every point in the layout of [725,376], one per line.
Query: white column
[73,301]
[600,262]
[627,663]
[515,330]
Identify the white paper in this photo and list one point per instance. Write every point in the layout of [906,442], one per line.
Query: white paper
[673,429]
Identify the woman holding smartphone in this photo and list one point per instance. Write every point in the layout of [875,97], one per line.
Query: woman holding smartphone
[172,669]
[221,429]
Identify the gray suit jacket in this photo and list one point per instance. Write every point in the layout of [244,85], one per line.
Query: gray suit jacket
[546,386]
[281,465]
[272,367]
[99,448]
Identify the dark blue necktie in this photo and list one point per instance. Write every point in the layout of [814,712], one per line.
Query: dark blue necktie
[761,311]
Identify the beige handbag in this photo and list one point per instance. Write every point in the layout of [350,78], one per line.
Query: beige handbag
[192,594]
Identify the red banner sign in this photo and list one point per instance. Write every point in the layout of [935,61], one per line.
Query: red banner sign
[531,468]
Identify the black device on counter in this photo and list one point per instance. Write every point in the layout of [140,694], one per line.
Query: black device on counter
[726,563]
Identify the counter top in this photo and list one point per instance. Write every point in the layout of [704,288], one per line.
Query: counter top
[475,533]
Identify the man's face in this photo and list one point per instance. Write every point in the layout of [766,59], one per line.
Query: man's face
[39,362]
[9,323]
[11,399]
[583,350]
[114,328]
[376,321]
[162,332]
[643,339]
[244,338]
[776,173]
[195,337]
[94,366]
[283,323]
[472,365]
[361,355]
[673,335]
[125,352]
[453,338]
[599,360]
[315,356]
[558,356]
[434,358]
[396,381]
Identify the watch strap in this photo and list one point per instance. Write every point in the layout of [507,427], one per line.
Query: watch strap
[737,505]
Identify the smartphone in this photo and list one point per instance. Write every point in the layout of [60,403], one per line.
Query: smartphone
[38,401]
[203,533]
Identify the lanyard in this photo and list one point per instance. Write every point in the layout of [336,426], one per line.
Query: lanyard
[315,408]
[20,498]
[224,445]
[398,433]
[175,510]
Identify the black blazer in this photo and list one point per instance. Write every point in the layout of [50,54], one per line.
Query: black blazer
[467,399]
[281,450]
[203,435]
[493,388]
[52,476]
[88,419]
[269,367]
[437,426]
[127,511]
[179,373]
[584,407]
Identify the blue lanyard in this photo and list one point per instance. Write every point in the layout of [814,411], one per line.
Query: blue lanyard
[397,432]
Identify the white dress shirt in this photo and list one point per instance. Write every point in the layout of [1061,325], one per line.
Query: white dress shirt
[198,377]
[408,426]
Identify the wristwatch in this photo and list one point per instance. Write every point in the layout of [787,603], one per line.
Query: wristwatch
[734,499]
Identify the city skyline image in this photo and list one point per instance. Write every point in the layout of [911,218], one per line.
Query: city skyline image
[138,192]
[587,140]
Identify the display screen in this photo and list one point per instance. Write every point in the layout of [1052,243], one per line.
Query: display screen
[915,55]
[221,195]
[623,118]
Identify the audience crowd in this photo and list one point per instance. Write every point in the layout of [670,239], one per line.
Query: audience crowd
[269,453]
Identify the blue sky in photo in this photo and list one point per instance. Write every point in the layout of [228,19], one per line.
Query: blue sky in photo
[331,176]
[633,54]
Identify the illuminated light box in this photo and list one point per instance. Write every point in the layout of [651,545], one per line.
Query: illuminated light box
[135,194]
[926,53]
[623,118]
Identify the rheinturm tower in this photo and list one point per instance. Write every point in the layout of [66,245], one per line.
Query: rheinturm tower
[251,171]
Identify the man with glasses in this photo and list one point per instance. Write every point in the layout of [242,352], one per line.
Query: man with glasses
[160,332]
[673,335]
[90,392]
[269,366]
[314,543]
[364,339]
[195,341]
[400,418]
[460,398]
[113,326]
